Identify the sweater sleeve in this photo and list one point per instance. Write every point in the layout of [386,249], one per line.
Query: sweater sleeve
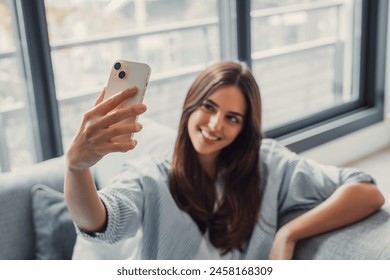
[123,199]
[304,183]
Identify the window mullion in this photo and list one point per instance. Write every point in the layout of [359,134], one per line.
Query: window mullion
[4,159]
[34,37]
[244,48]
[30,113]
[228,34]
[373,63]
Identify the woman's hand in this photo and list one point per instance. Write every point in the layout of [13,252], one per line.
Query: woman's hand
[100,125]
[283,246]
[348,204]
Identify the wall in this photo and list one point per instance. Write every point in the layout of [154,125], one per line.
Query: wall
[353,146]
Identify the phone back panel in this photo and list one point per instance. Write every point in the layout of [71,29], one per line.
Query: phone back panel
[136,74]
[129,74]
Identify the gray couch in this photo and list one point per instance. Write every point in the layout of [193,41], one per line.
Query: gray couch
[35,224]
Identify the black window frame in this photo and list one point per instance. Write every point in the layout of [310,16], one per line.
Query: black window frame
[299,135]
[311,131]
[37,55]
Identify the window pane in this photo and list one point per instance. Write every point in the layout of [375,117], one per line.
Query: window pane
[304,56]
[176,38]
[16,136]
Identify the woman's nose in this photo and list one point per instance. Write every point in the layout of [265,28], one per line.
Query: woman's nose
[215,122]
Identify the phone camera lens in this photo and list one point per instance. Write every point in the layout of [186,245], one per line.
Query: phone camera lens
[122,74]
[117,66]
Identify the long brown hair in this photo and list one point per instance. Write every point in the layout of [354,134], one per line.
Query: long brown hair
[194,191]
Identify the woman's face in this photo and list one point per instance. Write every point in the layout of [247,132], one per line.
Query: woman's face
[216,123]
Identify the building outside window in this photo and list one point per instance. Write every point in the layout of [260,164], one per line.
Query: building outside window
[176,38]
[305,54]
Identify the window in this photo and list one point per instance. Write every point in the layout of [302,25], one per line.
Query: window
[312,46]
[177,38]
[337,48]
[320,64]
[17,137]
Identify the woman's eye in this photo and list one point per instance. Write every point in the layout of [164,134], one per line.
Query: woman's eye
[233,119]
[208,107]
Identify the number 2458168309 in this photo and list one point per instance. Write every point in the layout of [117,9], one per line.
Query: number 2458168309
[226,270]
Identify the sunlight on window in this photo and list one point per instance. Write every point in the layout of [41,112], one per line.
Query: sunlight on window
[302,53]
[305,54]
[176,38]
[16,136]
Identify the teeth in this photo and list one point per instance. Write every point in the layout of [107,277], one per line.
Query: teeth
[208,136]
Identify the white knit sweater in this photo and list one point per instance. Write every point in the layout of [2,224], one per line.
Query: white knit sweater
[140,198]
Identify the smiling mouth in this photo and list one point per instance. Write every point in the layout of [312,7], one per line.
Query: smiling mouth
[208,136]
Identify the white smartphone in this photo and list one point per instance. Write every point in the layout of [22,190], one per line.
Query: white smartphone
[125,74]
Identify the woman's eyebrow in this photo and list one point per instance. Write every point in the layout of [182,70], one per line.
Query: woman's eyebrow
[212,102]
[216,105]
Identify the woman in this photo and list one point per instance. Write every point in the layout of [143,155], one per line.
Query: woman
[222,192]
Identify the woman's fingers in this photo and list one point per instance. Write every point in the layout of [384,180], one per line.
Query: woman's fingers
[112,147]
[104,130]
[111,103]
[118,130]
[116,116]
[123,116]
[101,97]
[120,147]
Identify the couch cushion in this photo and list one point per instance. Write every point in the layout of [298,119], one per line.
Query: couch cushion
[55,234]
[16,227]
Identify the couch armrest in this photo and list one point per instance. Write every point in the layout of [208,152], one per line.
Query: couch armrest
[368,239]
[16,227]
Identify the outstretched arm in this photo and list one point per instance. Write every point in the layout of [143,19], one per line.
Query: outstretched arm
[92,142]
[348,204]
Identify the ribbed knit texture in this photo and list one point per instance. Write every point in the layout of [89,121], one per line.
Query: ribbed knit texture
[140,198]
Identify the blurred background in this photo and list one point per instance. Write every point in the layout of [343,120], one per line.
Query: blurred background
[320,66]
